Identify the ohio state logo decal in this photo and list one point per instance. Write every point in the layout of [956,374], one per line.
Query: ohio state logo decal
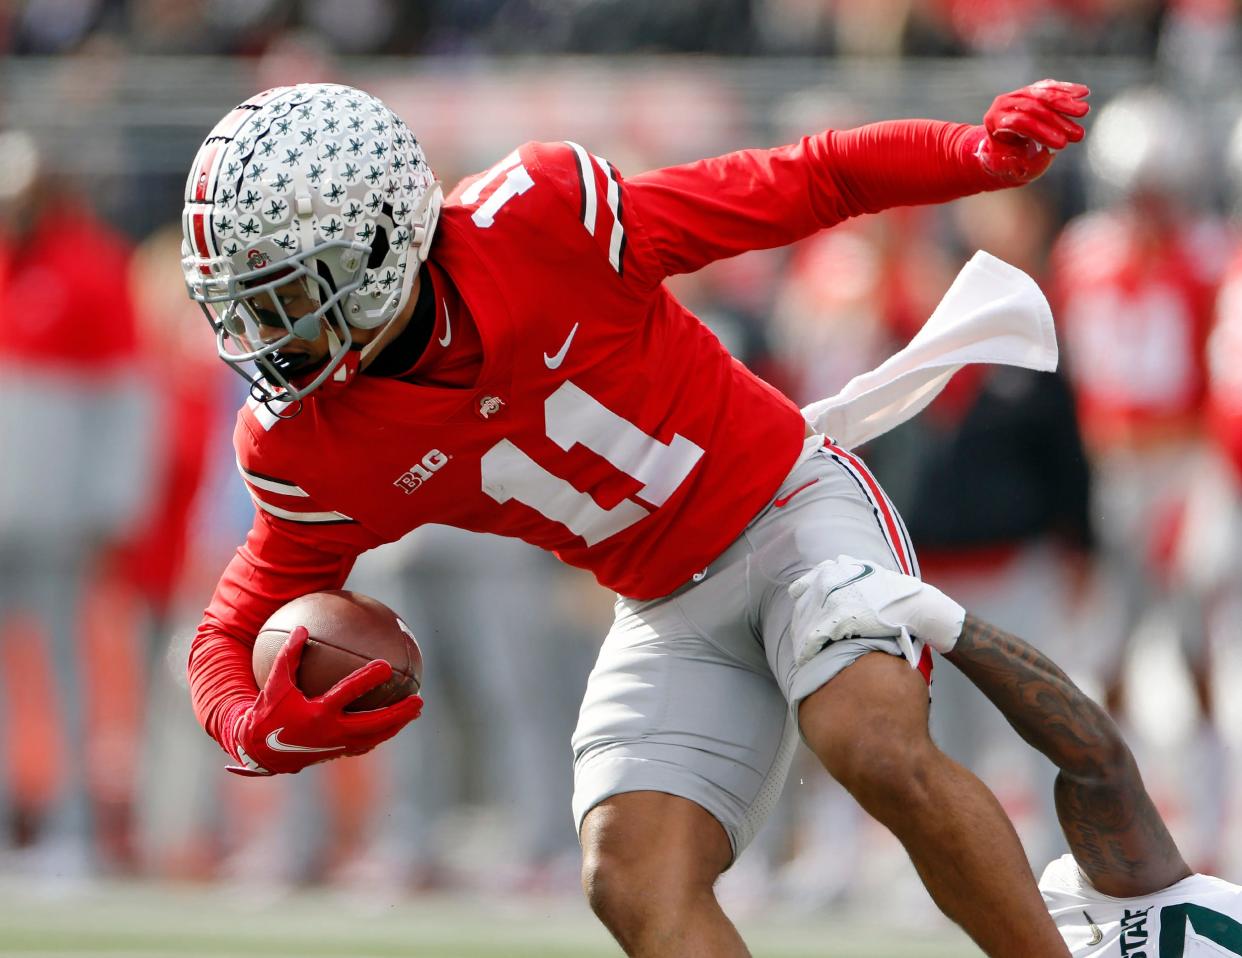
[489,406]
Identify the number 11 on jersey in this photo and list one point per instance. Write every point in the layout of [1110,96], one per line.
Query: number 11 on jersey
[574,417]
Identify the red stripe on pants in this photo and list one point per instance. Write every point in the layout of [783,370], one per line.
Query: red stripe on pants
[881,503]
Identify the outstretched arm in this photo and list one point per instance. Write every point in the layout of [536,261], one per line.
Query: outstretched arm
[1112,827]
[693,214]
[1108,818]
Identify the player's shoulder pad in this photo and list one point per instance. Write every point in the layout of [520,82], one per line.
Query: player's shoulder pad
[594,190]
[262,427]
[555,163]
[270,454]
[567,185]
[516,174]
[261,441]
[571,166]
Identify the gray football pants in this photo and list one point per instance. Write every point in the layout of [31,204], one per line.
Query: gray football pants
[695,694]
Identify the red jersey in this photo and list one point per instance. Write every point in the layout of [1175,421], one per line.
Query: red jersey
[1135,310]
[69,266]
[603,422]
[1225,366]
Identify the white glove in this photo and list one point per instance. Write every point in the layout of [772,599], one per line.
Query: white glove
[850,597]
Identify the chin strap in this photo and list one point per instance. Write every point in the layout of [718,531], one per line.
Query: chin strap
[371,348]
[349,365]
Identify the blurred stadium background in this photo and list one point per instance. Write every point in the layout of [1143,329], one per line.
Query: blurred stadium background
[1095,511]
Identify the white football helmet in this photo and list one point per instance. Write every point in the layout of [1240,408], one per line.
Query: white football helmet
[1233,169]
[1145,141]
[316,185]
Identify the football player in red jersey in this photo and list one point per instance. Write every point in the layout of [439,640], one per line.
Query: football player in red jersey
[528,374]
[1134,283]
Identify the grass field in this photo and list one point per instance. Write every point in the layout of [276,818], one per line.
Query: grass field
[187,922]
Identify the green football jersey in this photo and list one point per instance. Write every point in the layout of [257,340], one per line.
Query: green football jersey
[1199,917]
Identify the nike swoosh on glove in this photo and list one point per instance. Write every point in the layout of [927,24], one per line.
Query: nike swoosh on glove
[284,731]
[1022,129]
[850,597]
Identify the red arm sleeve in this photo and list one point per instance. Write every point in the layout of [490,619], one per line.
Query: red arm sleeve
[691,215]
[278,562]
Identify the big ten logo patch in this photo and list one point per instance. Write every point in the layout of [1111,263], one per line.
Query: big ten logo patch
[416,475]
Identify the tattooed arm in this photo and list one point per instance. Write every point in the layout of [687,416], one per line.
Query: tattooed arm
[1112,827]
[1107,816]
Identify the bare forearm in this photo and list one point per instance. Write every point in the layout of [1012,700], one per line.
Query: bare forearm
[1108,818]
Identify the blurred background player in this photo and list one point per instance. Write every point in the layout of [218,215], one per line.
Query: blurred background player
[190,515]
[507,617]
[76,433]
[1132,288]
[1213,533]
[994,482]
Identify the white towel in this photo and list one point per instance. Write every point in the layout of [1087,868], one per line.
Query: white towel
[993,313]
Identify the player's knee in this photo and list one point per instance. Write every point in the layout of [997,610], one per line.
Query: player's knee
[615,885]
[884,771]
[638,878]
[868,726]
[632,890]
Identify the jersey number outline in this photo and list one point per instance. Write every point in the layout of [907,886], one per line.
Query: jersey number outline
[516,182]
[574,417]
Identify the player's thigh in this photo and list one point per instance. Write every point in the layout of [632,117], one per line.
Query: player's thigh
[838,509]
[681,702]
[861,704]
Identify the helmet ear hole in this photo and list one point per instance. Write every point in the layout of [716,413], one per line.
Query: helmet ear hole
[379,248]
[325,274]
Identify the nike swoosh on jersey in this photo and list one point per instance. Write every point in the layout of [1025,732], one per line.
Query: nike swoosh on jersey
[1097,936]
[276,745]
[448,329]
[784,500]
[555,361]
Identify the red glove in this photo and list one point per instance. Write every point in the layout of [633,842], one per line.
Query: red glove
[1022,128]
[284,731]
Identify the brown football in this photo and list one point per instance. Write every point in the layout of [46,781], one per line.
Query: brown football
[346,631]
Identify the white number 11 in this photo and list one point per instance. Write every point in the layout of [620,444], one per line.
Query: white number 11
[573,417]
